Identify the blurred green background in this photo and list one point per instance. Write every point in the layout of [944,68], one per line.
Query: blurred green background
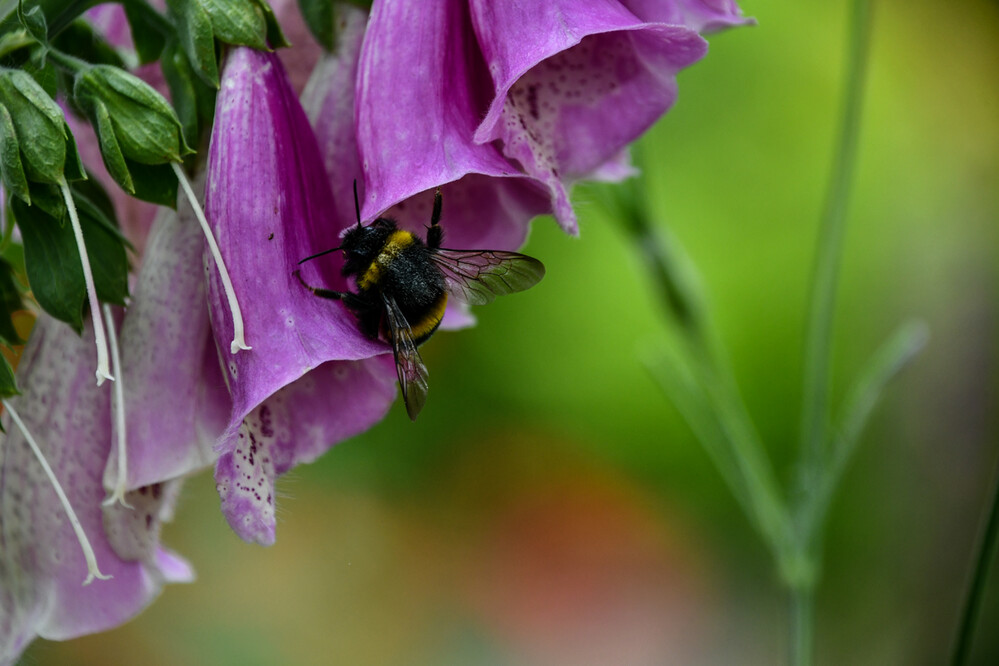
[551,507]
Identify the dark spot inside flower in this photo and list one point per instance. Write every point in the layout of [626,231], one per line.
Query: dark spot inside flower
[266,428]
[270,236]
[157,490]
[532,100]
[144,490]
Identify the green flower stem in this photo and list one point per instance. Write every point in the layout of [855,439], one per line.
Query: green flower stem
[861,401]
[815,417]
[803,623]
[71,64]
[986,549]
[732,441]
[58,14]
[815,406]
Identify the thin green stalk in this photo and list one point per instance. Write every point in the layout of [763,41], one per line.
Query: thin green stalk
[818,337]
[891,359]
[733,444]
[58,13]
[815,416]
[802,625]
[986,549]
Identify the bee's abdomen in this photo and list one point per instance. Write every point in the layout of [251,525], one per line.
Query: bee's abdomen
[426,324]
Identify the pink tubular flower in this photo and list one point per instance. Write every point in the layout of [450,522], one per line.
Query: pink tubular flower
[41,569]
[532,96]
[312,379]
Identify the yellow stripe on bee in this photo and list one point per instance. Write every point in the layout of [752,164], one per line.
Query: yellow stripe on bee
[428,324]
[396,242]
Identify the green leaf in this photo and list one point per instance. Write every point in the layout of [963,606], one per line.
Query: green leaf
[92,191]
[275,36]
[39,124]
[98,212]
[148,30]
[52,264]
[11,170]
[49,199]
[319,17]
[34,21]
[237,22]
[145,125]
[114,161]
[46,76]
[81,41]
[154,183]
[108,260]
[194,29]
[8,384]
[10,302]
[73,169]
[183,90]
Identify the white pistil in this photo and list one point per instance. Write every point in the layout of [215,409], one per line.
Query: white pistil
[118,492]
[81,536]
[238,340]
[103,371]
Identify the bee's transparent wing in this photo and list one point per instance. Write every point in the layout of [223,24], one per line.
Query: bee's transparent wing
[408,363]
[479,276]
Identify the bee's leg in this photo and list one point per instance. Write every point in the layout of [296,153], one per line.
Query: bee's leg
[435,233]
[324,293]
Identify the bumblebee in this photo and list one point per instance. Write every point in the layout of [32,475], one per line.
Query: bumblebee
[403,285]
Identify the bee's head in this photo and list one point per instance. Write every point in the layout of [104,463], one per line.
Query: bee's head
[362,244]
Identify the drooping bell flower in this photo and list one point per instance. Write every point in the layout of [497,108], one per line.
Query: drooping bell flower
[537,94]
[422,89]
[176,403]
[312,378]
[42,570]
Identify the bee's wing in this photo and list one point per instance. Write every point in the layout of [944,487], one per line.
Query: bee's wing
[478,276]
[408,363]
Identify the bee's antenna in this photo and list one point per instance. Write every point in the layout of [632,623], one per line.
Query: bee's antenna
[319,254]
[357,206]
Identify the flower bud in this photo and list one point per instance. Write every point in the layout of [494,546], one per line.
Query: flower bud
[34,138]
[131,119]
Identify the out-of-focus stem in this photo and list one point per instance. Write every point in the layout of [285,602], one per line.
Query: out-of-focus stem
[986,549]
[818,335]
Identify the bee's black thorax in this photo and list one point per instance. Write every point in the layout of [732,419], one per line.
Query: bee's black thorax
[385,259]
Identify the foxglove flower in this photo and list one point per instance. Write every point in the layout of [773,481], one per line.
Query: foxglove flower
[176,404]
[41,569]
[313,379]
[537,94]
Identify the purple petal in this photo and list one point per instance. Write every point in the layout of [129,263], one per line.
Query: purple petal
[704,16]
[575,82]
[41,567]
[479,211]
[275,437]
[328,100]
[270,205]
[422,90]
[176,401]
